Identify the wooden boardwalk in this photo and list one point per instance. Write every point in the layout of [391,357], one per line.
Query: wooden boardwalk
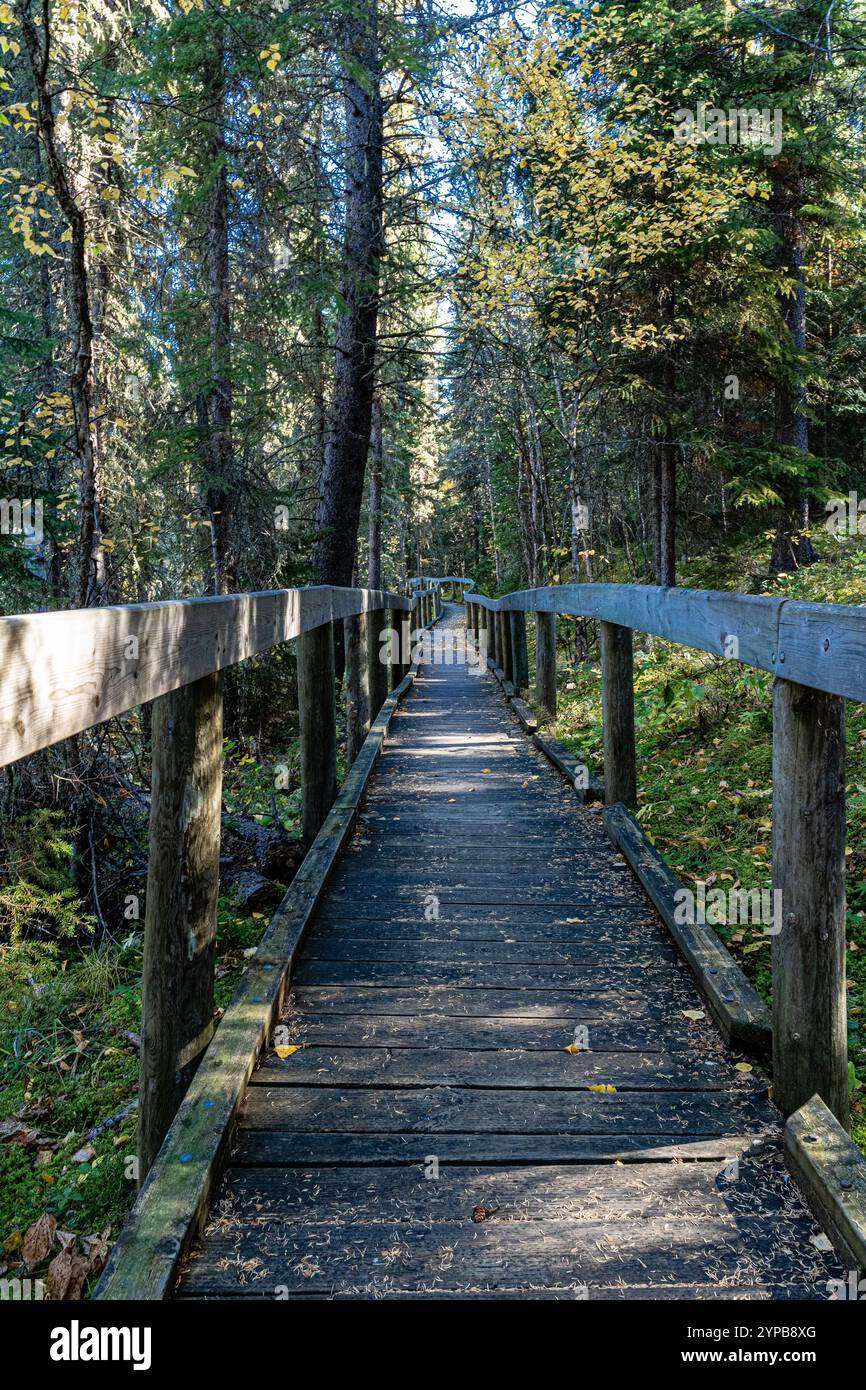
[482,961]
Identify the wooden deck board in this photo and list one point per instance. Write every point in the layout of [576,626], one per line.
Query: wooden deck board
[478,925]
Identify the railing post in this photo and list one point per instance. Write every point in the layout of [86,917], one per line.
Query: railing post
[810,1048]
[545,662]
[357,684]
[505,661]
[396,643]
[377,623]
[617,693]
[482,626]
[493,634]
[180,919]
[318,727]
[519,652]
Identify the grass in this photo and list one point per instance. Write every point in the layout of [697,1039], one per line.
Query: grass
[704,729]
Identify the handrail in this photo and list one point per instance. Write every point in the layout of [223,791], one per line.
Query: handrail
[817,654]
[64,672]
[440,579]
[819,645]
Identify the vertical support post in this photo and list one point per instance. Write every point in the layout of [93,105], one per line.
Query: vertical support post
[377,622]
[481,615]
[505,656]
[545,662]
[493,634]
[318,727]
[617,696]
[810,1047]
[519,651]
[357,686]
[395,672]
[180,920]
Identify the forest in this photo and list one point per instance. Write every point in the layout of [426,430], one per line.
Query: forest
[350,292]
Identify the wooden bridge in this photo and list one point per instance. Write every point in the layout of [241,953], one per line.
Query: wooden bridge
[475,1054]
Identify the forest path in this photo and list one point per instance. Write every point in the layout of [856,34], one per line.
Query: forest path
[433,1135]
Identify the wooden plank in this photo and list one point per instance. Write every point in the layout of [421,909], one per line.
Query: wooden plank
[579,1004]
[625,977]
[61,673]
[551,1192]
[701,618]
[739,1011]
[177,1003]
[831,1172]
[440,1030]
[455,1109]
[351,947]
[378,1066]
[575,770]
[810,1039]
[274,1255]
[176,1194]
[264,1147]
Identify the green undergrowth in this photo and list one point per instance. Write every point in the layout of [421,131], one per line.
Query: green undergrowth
[70,1009]
[704,731]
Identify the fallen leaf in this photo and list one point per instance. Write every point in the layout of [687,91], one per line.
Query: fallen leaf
[96,1248]
[821,1243]
[37,1242]
[66,1275]
[695,1014]
[85,1155]
[287,1051]
[601,1088]
[743,1066]
[12,1243]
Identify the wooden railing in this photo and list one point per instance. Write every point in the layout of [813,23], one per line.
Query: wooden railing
[817,653]
[62,673]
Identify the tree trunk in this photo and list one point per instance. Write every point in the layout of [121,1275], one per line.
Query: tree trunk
[221,487]
[91,575]
[342,481]
[374,501]
[791,548]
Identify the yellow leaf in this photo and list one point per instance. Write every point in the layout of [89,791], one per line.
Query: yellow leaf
[601,1088]
[287,1051]
[744,1066]
[694,1014]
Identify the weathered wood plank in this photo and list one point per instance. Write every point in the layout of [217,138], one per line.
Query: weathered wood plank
[555,1192]
[620,976]
[831,1171]
[264,1147]
[318,726]
[810,1038]
[61,673]
[274,1255]
[181,902]
[378,1066]
[455,1109]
